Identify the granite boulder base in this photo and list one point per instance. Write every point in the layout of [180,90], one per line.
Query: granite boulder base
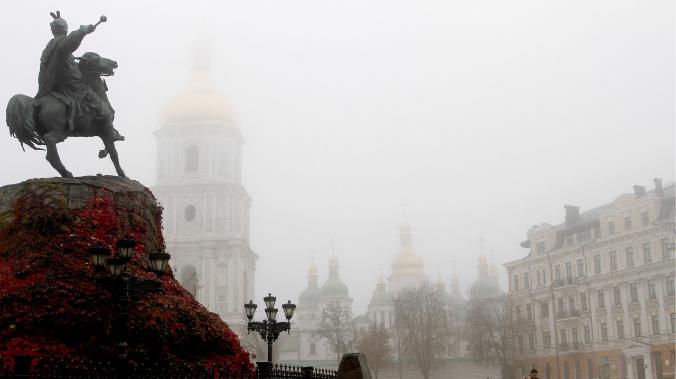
[50,302]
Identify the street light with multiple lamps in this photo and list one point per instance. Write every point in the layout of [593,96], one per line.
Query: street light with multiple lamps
[122,284]
[269,329]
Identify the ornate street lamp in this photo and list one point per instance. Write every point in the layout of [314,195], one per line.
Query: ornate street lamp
[116,265]
[125,248]
[158,261]
[124,285]
[99,256]
[269,329]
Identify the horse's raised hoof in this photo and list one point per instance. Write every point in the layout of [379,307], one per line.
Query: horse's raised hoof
[103,153]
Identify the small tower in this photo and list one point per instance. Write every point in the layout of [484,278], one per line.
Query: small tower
[407,268]
[381,306]
[334,289]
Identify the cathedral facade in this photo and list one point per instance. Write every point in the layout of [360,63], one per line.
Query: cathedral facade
[206,208]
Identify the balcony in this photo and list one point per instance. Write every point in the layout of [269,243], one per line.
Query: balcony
[568,314]
[568,281]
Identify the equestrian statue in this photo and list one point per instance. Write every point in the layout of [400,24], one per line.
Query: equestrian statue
[71,99]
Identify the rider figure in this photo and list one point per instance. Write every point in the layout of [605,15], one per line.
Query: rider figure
[60,75]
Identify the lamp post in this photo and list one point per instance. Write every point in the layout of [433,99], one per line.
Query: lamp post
[123,285]
[269,329]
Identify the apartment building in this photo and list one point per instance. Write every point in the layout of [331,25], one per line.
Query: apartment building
[597,291]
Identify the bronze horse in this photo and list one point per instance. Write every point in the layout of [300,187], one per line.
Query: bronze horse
[45,122]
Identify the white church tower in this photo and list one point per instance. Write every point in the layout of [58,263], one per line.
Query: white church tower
[206,208]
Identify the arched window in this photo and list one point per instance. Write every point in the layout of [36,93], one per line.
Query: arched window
[189,279]
[192,159]
[313,349]
[190,212]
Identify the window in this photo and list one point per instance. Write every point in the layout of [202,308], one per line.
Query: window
[627,223]
[620,330]
[516,282]
[613,261]
[544,309]
[564,337]
[597,264]
[569,272]
[630,256]
[548,371]
[647,254]
[666,247]
[651,289]
[191,159]
[578,371]
[644,218]
[583,301]
[584,236]
[601,299]
[541,247]
[313,348]
[656,325]
[670,286]
[605,368]
[587,334]
[547,339]
[531,342]
[520,340]
[617,297]
[526,280]
[566,370]
[560,306]
[189,213]
[637,327]
[571,304]
[544,276]
[539,278]
[518,312]
[590,369]
[604,332]
[580,268]
[633,289]
[576,337]
[529,311]
[673,322]
[557,273]
[611,228]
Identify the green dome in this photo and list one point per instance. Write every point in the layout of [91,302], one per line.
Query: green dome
[334,288]
[380,296]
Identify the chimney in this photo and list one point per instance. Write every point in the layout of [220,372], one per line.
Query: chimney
[639,191]
[572,214]
[658,187]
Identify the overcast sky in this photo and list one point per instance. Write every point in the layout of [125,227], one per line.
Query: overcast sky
[484,117]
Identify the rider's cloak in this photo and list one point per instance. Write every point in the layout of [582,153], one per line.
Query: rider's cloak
[60,76]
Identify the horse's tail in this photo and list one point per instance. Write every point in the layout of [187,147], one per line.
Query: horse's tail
[21,121]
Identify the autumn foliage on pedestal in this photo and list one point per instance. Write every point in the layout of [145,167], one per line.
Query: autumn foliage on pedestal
[51,305]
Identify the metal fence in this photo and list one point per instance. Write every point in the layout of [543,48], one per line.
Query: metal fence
[72,369]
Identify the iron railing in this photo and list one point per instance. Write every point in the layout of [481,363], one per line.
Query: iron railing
[52,368]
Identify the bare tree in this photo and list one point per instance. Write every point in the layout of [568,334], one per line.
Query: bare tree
[337,328]
[375,344]
[424,323]
[492,331]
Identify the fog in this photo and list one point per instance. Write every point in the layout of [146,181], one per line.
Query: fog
[480,118]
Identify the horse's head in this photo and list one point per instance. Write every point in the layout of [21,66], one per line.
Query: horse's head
[94,63]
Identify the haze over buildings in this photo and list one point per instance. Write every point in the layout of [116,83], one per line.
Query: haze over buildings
[481,117]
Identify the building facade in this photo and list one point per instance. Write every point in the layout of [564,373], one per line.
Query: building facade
[206,208]
[597,291]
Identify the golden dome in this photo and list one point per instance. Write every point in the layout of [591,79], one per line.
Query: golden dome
[199,102]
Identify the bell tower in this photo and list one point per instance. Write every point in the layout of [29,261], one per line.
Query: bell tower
[206,208]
